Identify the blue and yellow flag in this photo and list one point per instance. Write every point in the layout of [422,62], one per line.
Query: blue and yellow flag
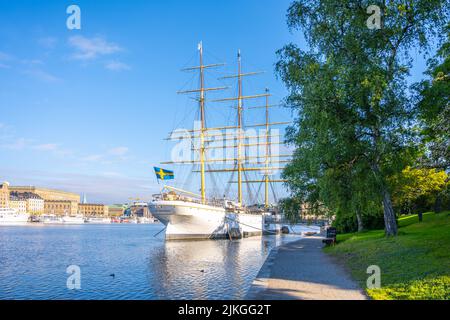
[163,174]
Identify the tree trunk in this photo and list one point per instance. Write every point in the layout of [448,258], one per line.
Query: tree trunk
[390,224]
[438,203]
[360,222]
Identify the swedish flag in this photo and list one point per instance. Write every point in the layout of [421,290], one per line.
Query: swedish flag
[163,174]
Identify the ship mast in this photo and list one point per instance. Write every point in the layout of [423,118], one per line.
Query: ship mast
[202,128]
[205,133]
[266,176]
[240,129]
[201,100]
[239,146]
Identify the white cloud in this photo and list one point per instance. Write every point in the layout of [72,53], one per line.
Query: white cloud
[119,151]
[91,48]
[42,75]
[93,157]
[32,62]
[47,42]
[18,144]
[5,57]
[117,66]
[4,60]
[46,147]
[112,174]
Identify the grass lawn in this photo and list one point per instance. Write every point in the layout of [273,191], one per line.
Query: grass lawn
[414,265]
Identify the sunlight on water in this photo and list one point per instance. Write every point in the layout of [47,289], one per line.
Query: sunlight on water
[126,262]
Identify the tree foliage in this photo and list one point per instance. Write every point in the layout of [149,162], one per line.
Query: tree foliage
[434,109]
[353,116]
[417,189]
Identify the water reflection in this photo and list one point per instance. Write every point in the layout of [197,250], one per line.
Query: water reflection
[34,260]
[209,269]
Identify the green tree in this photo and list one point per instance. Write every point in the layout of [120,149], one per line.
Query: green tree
[434,108]
[413,185]
[353,115]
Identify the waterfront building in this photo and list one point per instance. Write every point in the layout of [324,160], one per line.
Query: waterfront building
[4,195]
[116,210]
[93,210]
[47,194]
[34,204]
[61,207]
[18,204]
[140,209]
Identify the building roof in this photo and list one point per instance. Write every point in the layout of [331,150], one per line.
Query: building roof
[4,184]
[34,188]
[24,196]
[117,206]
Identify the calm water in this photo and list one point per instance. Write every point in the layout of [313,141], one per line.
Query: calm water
[33,262]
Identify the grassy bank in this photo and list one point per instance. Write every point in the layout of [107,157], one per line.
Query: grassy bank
[414,265]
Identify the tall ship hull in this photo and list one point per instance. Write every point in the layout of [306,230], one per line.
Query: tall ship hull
[188,220]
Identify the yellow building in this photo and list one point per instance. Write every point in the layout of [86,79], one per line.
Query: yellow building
[116,211]
[4,195]
[60,207]
[34,204]
[93,210]
[47,194]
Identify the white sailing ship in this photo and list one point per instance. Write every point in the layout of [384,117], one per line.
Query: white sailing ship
[187,215]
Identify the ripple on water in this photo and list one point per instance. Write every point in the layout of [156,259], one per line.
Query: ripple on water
[34,261]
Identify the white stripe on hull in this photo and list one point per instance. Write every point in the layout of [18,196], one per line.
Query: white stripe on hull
[186,220]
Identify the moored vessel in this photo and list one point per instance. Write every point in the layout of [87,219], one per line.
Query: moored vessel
[76,219]
[98,220]
[10,217]
[51,219]
[188,215]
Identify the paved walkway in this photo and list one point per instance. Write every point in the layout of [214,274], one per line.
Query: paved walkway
[301,270]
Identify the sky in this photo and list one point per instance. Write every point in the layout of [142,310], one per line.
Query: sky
[88,110]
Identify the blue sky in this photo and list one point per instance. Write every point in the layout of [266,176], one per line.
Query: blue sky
[87,110]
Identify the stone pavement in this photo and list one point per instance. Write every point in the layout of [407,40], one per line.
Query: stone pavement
[301,270]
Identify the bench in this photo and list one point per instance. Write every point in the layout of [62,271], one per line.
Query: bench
[330,238]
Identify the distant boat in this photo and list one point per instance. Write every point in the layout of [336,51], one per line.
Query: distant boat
[51,219]
[145,220]
[98,220]
[77,219]
[9,216]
